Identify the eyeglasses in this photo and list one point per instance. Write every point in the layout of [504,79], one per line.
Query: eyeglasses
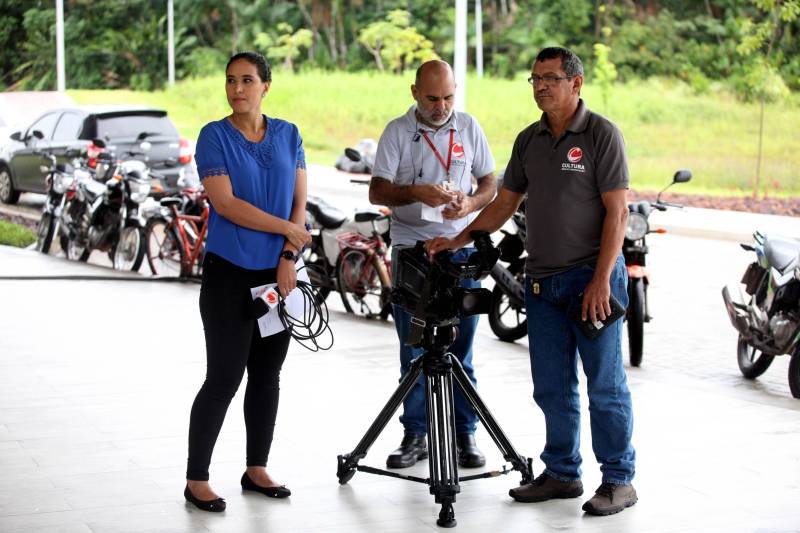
[548,79]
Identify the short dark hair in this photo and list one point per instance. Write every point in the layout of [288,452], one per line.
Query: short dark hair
[256,59]
[570,63]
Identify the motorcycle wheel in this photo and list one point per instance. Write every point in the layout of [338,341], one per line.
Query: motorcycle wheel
[794,373]
[636,321]
[73,251]
[358,284]
[163,249]
[507,323]
[45,230]
[752,362]
[129,249]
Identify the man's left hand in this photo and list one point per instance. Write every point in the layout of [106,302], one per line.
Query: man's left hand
[596,297]
[462,206]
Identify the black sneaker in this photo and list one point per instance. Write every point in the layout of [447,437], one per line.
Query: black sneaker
[545,488]
[611,499]
[412,449]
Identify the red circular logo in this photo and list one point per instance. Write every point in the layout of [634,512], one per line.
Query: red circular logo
[458,150]
[272,298]
[575,155]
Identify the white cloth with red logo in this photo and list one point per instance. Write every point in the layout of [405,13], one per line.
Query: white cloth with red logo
[405,158]
[271,323]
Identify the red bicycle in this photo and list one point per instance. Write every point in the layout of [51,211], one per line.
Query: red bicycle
[363,273]
[175,239]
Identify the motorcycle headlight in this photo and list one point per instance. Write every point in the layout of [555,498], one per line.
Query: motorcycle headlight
[61,182]
[637,226]
[139,190]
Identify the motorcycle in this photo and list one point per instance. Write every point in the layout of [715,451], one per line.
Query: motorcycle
[59,181]
[332,234]
[104,214]
[358,160]
[635,250]
[769,322]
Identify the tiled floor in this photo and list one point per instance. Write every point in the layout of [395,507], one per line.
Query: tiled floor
[96,381]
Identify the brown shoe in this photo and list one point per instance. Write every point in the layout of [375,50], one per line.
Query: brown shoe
[545,488]
[610,499]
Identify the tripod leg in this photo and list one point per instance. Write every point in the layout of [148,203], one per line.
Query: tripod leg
[347,462]
[442,461]
[519,462]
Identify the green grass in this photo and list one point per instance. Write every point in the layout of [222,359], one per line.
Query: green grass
[666,126]
[15,235]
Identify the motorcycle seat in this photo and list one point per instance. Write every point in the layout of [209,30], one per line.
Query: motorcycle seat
[166,202]
[365,215]
[782,253]
[325,214]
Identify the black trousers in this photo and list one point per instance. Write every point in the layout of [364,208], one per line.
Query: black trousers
[233,344]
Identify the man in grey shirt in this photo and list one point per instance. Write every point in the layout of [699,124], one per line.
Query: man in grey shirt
[572,166]
[424,168]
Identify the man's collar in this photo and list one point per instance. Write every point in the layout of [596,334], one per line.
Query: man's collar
[578,124]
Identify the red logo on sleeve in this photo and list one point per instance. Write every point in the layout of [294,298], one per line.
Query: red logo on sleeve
[575,155]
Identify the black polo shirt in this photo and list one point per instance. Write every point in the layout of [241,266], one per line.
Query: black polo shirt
[564,179]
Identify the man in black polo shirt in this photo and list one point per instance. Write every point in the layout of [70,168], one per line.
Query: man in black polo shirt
[572,166]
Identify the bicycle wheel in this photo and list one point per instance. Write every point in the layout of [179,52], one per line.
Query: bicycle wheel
[163,249]
[358,283]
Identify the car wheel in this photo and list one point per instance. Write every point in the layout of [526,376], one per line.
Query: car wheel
[8,195]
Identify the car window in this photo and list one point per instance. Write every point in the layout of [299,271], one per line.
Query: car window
[131,126]
[45,125]
[68,128]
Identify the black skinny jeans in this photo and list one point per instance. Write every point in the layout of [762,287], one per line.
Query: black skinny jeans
[233,343]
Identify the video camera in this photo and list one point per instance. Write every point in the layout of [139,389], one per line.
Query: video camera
[431,291]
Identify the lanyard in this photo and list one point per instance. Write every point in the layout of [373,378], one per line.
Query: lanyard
[439,156]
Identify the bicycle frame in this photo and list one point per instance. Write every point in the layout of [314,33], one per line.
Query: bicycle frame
[181,221]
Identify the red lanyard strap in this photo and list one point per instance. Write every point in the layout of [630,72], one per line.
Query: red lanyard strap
[438,155]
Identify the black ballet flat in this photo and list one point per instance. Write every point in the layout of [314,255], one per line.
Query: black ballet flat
[212,506]
[271,492]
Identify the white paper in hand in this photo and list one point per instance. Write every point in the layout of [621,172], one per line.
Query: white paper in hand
[432,214]
[270,324]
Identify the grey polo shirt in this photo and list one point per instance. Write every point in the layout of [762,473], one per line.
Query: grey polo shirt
[564,179]
[405,158]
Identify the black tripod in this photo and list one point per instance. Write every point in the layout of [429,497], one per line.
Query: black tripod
[439,367]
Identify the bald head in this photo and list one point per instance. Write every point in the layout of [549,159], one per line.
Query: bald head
[434,90]
[436,68]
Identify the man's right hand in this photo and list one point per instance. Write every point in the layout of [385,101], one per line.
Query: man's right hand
[433,195]
[438,244]
[297,235]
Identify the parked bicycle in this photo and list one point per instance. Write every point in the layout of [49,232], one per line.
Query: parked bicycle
[175,238]
[363,272]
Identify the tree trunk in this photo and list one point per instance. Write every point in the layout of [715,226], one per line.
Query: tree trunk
[315,38]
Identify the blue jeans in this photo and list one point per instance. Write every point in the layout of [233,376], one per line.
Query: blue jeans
[555,342]
[414,417]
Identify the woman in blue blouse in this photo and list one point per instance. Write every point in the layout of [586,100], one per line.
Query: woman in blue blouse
[253,169]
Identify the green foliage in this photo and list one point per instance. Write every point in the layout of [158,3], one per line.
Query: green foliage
[395,43]
[604,71]
[286,46]
[113,43]
[15,235]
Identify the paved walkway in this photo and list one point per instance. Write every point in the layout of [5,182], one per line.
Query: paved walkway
[96,381]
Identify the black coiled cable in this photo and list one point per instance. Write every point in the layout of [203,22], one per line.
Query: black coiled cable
[312,324]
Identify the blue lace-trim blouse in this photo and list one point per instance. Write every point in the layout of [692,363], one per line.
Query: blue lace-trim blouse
[262,174]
